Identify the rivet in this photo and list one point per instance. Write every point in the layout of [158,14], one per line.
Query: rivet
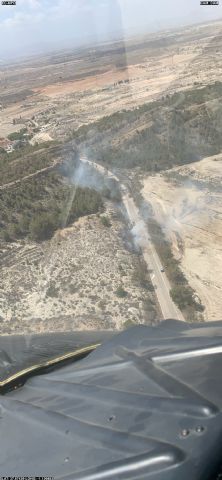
[200,429]
[185,433]
[111,418]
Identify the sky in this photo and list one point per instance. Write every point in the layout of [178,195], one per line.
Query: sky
[37,26]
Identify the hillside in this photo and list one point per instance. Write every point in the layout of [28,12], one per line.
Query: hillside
[179,129]
[66,255]
[186,201]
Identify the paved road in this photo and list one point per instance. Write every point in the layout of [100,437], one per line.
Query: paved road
[158,278]
[141,235]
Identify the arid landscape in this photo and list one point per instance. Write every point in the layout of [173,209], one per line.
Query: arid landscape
[147,109]
[187,202]
[66,90]
[71,283]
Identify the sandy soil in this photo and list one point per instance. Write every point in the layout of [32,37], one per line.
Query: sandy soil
[187,201]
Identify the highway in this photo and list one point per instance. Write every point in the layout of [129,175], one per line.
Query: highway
[159,279]
[141,235]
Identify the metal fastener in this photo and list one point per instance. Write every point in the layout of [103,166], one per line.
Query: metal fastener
[185,432]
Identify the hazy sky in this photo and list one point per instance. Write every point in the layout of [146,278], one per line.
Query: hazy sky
[38,25]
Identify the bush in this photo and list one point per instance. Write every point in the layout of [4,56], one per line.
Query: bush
[105,221]
[24,224]
[5,236]
[140,275]
[183,296]
[14,231]
[42,227]
[102,304]
[129,324]
[17,135]
[120,292]
[52,291]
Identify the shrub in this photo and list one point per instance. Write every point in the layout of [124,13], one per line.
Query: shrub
[129,324]
[17,135]
[102,304]
[73,288]
[24,224]
[105,221]
[140,275]
[14,231]
[5,236]
[120,292]
[183,296]
[42,227]
[52,291]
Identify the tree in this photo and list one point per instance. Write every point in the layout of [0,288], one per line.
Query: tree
[120,292]
[183,296]
[42,227]
[14,231]
[24,224]
[5,236]
[105,221]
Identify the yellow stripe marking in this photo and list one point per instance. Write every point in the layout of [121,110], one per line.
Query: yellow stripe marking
[76,353]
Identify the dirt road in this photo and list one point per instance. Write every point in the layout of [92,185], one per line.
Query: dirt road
[142,238]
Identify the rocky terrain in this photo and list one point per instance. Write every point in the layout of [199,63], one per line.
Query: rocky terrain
[72,281]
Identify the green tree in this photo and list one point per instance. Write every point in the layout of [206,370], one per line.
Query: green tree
[105,221]
[120,292]
[42,227]
[5,236]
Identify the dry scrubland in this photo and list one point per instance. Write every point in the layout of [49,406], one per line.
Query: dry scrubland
[64,91]
[187,202]
[71,282]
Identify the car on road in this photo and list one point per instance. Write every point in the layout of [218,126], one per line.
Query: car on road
[162,269]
